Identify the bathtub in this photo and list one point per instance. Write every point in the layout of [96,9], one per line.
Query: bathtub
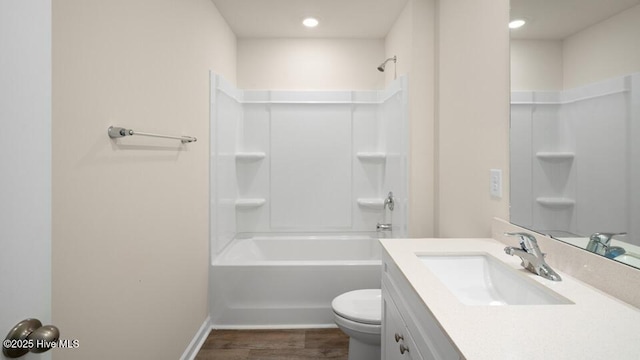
[288,281]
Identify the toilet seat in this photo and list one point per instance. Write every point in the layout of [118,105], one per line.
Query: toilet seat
[360,306]
[362,329]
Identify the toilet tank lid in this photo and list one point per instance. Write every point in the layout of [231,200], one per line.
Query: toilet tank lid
[363,306]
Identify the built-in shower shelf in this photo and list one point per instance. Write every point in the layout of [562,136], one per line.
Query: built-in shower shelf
[250,156]
[372,203]
[555,155]
[555,202]
[371,156]
[249,203]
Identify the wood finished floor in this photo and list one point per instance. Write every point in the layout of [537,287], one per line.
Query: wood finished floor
[303,344]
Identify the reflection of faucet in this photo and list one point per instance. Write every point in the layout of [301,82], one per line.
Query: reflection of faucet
[599,243]
[389,201]
[614,251]
[532,257]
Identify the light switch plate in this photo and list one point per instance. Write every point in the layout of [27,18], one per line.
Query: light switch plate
[496,183]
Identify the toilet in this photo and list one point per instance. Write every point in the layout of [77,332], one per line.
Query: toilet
[358,314]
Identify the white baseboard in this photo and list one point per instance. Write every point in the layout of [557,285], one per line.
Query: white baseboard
[272,327]
[197,341]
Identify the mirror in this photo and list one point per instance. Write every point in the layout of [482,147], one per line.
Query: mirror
[575,123]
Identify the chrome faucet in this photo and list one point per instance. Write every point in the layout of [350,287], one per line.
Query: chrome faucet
[531,256]
[599,243]
[388,202]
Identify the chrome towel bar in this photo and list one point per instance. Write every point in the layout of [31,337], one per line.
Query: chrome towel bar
[118,132]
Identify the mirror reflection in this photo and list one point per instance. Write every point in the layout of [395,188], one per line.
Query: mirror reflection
[575,123]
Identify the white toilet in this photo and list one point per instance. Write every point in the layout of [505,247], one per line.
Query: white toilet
[358,314]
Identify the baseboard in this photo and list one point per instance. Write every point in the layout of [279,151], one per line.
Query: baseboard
[272,327]
[197,341]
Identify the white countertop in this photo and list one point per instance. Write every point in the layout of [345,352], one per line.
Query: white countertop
[596,326]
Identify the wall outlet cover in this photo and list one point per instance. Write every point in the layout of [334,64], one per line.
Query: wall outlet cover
[496,183]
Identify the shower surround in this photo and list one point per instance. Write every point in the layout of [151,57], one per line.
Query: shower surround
[315,163]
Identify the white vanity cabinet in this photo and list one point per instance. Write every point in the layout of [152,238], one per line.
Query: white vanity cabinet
[409,331]
[397,343]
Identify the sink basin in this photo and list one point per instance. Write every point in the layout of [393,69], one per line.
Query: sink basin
[481,279]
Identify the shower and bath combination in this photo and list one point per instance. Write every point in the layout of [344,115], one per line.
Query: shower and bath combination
[282,235]
[384,64]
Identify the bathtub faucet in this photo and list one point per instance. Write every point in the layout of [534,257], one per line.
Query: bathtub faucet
[383,227]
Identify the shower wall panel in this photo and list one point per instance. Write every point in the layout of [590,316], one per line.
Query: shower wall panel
[393,138]
[311,167]
[226,114]
[368,174]
[601,125]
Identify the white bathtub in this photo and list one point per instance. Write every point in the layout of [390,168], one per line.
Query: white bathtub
[288,281]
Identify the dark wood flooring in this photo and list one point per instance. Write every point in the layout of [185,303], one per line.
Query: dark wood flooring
[303,344]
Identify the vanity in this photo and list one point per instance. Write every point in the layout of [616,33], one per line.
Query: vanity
[426,317]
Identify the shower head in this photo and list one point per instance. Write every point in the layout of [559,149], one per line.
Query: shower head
[382,66]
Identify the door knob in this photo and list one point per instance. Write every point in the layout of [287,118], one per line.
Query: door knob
[29,335]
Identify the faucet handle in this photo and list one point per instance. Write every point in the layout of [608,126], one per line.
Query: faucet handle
[389,201]
[604,238]
[528,242]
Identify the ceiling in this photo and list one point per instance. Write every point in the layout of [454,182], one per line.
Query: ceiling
[546,19]
[557,19]
[283,18]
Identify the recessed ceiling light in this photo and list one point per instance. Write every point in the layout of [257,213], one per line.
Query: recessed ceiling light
[310,22]
[516,23]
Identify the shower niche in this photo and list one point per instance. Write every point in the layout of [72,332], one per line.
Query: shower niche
[306,161]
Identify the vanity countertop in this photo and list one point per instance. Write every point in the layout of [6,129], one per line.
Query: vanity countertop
[596,326]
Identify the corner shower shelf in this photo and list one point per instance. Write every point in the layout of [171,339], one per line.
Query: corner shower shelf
[371,156]
[555,155]
[249,203]
[250,156]
[372,203]
[555,202]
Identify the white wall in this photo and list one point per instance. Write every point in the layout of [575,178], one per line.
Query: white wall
[25,160]
[536,65]
[310,64]
[458,112]
[412,40]
[130,217]
[473,114]
[605,50]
